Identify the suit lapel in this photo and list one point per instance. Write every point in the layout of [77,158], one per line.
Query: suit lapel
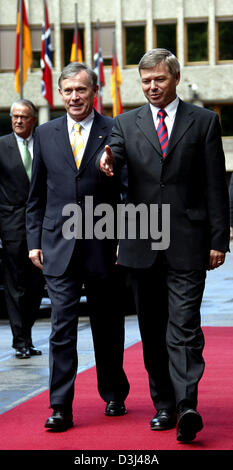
[183,121]
[14,154]
[98,134]
[144,120]
[62,141]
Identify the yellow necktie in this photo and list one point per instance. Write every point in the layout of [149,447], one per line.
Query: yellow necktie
[77,145]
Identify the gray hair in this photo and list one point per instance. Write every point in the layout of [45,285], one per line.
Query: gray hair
[156,56]
[26,103]
[76,67]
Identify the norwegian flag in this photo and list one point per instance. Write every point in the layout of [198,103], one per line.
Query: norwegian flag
[46,59]
[99,70]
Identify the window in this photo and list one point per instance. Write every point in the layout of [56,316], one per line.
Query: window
[7,49]
[36,46]
[56,114]
[165,36]
[134,44]
[225,40]
[197,42]
[68,35]
[225,112]
[105,42]
[5,123]
[226,120]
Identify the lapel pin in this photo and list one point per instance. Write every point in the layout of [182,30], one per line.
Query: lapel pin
[100,136]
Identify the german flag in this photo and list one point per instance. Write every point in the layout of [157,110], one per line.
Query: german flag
[26,47]
[76,52]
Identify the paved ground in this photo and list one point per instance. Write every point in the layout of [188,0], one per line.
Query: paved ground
[22,379]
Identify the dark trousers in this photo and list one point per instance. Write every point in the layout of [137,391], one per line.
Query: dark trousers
[23,285]
[107,324]
[168,307]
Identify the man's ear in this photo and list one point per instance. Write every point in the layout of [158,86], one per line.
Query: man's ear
[96,90]
[178,78]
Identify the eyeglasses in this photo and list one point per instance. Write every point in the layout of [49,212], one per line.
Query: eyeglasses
[17,116]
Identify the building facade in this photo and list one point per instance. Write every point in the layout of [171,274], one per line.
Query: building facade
[199,33]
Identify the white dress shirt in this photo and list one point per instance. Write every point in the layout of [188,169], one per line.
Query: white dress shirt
[170,109]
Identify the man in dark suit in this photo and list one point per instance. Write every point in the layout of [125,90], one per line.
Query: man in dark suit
[59,178]
[23,283]
[185,173]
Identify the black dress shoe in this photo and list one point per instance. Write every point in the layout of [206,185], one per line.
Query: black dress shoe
[34,351]
[22,353]
[115,408]
[164,419]
[189,423]
[60,420]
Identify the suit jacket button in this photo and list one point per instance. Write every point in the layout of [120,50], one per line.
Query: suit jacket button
[162,185]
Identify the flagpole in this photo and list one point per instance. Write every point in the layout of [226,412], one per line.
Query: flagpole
[44,14]
[21,48]
[115,74]
[76,30]
[47,105]
[98,39]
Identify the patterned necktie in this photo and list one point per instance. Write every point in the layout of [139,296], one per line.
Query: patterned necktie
[27,159]
[162,131]
[77,145]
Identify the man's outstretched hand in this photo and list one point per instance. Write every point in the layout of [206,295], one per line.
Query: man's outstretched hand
[106,161]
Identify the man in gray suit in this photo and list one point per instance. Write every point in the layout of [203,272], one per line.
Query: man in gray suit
[23,283]
[175,159]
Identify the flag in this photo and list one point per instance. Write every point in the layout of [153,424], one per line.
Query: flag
[99,70]
[115,86]
[73,55]
[46,59]
[26,56]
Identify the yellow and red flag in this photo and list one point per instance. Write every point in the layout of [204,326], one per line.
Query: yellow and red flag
[115,86]
[76,49]
[26,56]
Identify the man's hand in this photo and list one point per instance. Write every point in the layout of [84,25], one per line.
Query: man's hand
[36,256]
[106,161]
[216,259]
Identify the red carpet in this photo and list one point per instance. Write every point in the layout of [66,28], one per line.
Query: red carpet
[22,427]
